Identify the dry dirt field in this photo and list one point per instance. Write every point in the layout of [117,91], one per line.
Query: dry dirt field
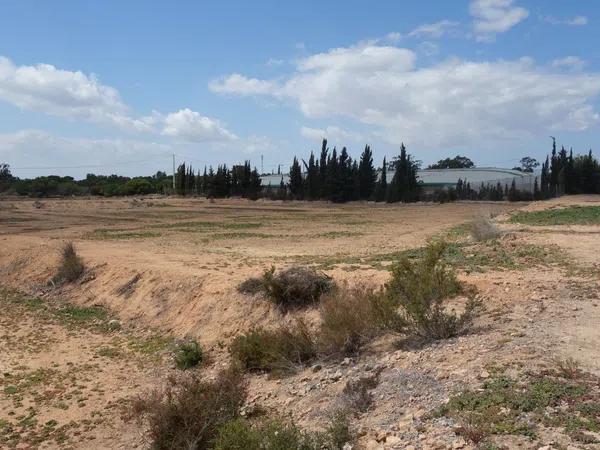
[159,269]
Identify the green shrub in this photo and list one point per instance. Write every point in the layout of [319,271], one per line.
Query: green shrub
[352,316]
[71,265]
[277,435]
[188,354]
[295,287]
[420,288]
[189,411]
[280,350]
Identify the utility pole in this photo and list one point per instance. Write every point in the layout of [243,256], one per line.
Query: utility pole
[173,173]
[262,166]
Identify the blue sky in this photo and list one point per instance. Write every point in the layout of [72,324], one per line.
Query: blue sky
[114,86]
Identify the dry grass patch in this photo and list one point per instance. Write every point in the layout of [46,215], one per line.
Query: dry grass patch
[483,229]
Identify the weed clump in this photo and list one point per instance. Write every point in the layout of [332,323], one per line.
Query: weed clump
[279,351]
[189,411]
[483,229]
[295,287]
[71,265]
[188,354]
[350,317]
[420,288]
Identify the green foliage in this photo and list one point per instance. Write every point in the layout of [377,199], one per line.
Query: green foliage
[188,354]
[278,351]
[574,215]
[240,434]
[350,317]
[71,265]
[189,412]
[421,287]
[458,162]
[295,287]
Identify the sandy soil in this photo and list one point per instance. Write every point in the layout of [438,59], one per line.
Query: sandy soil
[190,254]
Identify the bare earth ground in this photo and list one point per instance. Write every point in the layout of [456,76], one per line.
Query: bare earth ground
[167,266]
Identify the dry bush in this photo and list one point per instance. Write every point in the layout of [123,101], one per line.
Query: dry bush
[189,411]
[483,229]
[569,368]
[278,351]
[295,287]
[71,265]
[251,286]
[350,317]
[357,394]
[420,288]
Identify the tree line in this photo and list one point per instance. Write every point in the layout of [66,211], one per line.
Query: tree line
[333,176]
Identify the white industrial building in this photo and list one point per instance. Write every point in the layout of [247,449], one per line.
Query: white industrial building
[445,178]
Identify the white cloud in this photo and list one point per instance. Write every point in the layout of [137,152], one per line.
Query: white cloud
[75,95]
[64,93]
[569,62]
[394,37]
[190,126]
[274,62]
[577,21]
[332,133]
[492,17]
[241,85]
[451,103]
[434,30]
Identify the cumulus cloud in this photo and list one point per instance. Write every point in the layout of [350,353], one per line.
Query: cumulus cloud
[75,95]
[491,17]
[569,62]
[455,102]
[434,30]
[190,126]
[44,88]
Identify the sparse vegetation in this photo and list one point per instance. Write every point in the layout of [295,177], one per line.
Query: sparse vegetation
[350,317]
[188,354]
[357,393]
[519,406]
[279,351]
[574,215]
[189,412]
[421,289]
[278,435]
[70,267]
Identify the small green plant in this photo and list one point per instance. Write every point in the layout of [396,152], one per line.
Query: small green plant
[279,351]
[574,215]
[295,287]
[421,287]
[71,265]
[189,412]
[188,354]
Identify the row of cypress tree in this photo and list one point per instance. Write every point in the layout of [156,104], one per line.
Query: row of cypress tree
[339,178]
[240,180]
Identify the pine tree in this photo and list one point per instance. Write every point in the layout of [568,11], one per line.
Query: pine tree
[312,178]
[323,194]
[404,186]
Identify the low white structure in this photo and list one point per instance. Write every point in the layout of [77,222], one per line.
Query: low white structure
[445,178]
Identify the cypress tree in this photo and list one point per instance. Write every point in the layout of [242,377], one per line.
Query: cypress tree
[367,176]
[296,182]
